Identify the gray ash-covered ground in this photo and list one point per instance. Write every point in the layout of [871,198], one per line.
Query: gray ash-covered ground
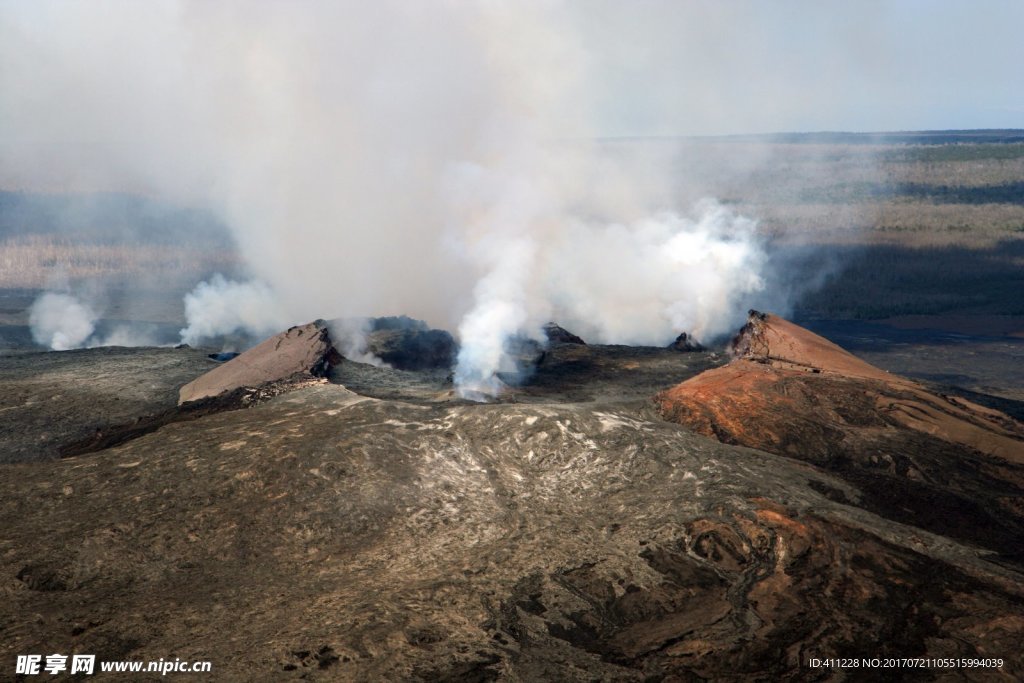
[373,526]
[476,542]
[52,398]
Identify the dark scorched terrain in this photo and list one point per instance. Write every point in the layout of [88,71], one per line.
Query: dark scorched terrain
[370,526]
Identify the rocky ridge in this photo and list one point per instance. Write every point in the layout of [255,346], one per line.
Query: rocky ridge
[937,461]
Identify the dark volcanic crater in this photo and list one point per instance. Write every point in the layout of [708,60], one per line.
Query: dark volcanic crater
[368,525]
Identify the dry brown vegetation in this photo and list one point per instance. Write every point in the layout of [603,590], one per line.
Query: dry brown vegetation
[909,223]
[974,173]
[899,229]
[910,195]
[36,261]
[913,196]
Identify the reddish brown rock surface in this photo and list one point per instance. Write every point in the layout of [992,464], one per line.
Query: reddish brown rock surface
[783,373]
[302,351]
[940,461]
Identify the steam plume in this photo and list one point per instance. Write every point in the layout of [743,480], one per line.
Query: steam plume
[433,159]
[221,307]
[61,322]
[640,283]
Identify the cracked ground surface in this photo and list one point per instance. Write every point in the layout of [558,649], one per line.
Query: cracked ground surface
[567,534]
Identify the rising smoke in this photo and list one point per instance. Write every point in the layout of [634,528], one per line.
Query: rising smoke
[434,159]
[219,306]
[61,321]
[639,283]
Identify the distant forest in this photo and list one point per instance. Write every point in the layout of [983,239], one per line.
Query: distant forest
[925,137]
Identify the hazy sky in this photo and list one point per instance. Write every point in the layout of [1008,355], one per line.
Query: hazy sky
[682,67]
[788,65]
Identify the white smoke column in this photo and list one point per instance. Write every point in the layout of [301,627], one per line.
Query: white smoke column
[642,283]
[61,321]
[220,306]
[349,337]
[712,264]
[646,282]
[501,310]
[507,213]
